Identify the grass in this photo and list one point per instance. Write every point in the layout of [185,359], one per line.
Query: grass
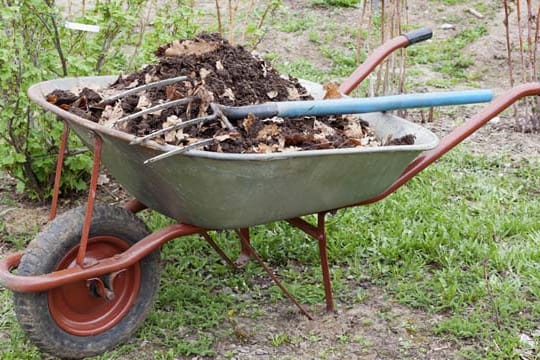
[461,240]
[445,56]
[338,3]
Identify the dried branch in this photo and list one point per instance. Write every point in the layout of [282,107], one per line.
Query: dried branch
[520,32]
[218,13]
[145,20]
[508,45]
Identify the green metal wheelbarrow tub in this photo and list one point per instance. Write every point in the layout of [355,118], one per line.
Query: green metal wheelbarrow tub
[226,191]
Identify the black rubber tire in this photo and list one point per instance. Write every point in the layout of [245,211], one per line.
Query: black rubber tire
[43,255]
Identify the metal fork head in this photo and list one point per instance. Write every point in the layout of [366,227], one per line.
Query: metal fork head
[215,115]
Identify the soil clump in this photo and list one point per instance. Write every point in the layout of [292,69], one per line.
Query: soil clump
[215,73]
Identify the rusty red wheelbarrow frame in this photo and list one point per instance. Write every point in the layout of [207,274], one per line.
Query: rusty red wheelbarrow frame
[99,273]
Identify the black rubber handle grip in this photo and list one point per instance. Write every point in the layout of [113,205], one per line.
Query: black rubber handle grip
[419,35]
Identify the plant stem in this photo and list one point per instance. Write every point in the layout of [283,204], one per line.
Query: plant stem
[218,13]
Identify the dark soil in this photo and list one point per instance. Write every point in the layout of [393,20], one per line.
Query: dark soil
[218,73]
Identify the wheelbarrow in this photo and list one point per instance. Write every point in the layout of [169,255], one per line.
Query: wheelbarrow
[90,277]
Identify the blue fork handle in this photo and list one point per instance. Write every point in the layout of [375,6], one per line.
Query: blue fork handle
[357,106]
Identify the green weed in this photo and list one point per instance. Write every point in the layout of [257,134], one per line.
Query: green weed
[339,3]
[445,55]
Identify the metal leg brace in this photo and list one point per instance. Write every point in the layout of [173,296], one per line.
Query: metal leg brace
[92,191]
[247,245]
[58,173]
[319,233]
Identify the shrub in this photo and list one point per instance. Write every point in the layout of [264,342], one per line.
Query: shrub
[35,46]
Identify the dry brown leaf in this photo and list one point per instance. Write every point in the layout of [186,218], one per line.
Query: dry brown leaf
[355,142]
[281,143]
[103,179]
[331,91]
[221,138]
[181,136]
[263,148]
[111,113]
[148,78]
[144,102]
[190,47]
[268,131]
[52,98]
[366,140]
[275,119]
[172,93]
[355,130]
[291,149]
[203,73]
[272,94]
[293,94]
[228,93]
[193,140]
[247,123]
[323,129]
[132,84]
[170,137]
[172,120]
[175,49]
[206,98]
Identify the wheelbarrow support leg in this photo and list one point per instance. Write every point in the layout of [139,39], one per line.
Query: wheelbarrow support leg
[58,173]
[91,200]
[244,238]
[245,252]
[319,233]
[217,249]
[323,255]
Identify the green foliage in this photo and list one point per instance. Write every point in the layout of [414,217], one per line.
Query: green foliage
[340,3]
[296,23]
[172,22]
[445,55]
[34,46]
[245,22]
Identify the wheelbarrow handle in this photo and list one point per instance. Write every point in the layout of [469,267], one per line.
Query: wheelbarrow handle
[419,35]
[357,105]
[380,54]
[460,133]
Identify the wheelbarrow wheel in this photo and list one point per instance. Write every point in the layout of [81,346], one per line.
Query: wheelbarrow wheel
[87,317]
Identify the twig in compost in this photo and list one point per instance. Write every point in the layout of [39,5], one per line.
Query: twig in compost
[218,13]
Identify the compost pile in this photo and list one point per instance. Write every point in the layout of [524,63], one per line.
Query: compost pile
[217,72]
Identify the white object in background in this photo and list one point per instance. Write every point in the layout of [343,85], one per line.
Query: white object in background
[82,27]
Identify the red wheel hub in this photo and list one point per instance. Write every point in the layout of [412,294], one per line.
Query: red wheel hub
[76,308]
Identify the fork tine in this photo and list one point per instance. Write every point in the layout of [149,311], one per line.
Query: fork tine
[181,150]
[137,89]
[154,109]
[178,126]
